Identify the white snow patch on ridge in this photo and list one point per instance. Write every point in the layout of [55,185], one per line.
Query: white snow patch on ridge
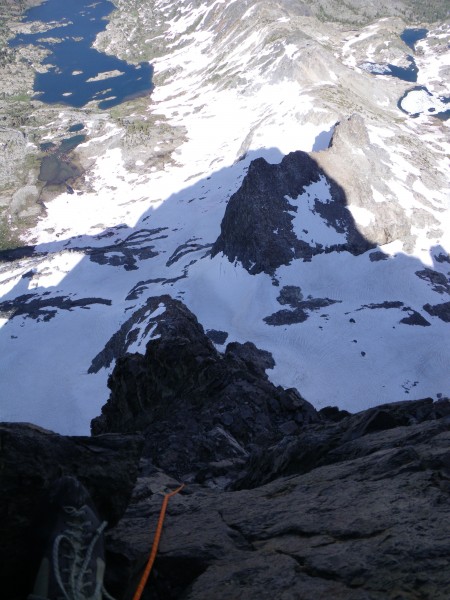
[362,216]
[307,225]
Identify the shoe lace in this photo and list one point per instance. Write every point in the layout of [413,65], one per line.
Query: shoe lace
[77,545]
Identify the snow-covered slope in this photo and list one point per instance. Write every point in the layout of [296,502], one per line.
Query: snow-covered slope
[245,81]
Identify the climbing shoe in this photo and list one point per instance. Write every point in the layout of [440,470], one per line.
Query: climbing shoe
[73,563]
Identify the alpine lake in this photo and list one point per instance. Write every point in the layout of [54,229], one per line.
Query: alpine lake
[75,73]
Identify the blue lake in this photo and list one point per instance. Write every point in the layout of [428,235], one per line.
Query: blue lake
[404,73]
[73,27]
[411,36]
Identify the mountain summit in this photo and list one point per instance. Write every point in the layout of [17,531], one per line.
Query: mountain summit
[267,222]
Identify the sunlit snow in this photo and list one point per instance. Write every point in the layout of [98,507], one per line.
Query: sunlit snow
[353,353]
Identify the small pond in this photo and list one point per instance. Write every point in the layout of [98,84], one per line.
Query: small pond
[404,73]
[411,36]
[76,127]
[417,100]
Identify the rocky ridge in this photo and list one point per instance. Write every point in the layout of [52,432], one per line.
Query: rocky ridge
[257,226]
[336,505]
[357,164]
[216,406]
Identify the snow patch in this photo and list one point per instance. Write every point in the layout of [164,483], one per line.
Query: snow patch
[362,216]
[307,224]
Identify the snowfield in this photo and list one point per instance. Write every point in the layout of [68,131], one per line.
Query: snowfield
[99,255]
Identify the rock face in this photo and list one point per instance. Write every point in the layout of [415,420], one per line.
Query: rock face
[341,506]
[439,310]
[32,458]
[15,145]
[202,412]
[354,510]
[359,167]
[257,228]
[281,500]
[318,505]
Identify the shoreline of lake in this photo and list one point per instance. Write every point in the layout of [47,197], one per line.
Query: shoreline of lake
[75,72]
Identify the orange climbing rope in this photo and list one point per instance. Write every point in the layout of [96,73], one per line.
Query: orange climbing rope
[151,559]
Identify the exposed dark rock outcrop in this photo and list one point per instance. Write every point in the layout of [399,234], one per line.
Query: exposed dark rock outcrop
[135,247]
[140,321]
[442,257]
[45,307]
[299,312]
[438,281]
[339,440]
[218,337]
[439,310]
[317,505]
[354,510]
[377,256]
[257,226]
[202,412]
[414,318]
